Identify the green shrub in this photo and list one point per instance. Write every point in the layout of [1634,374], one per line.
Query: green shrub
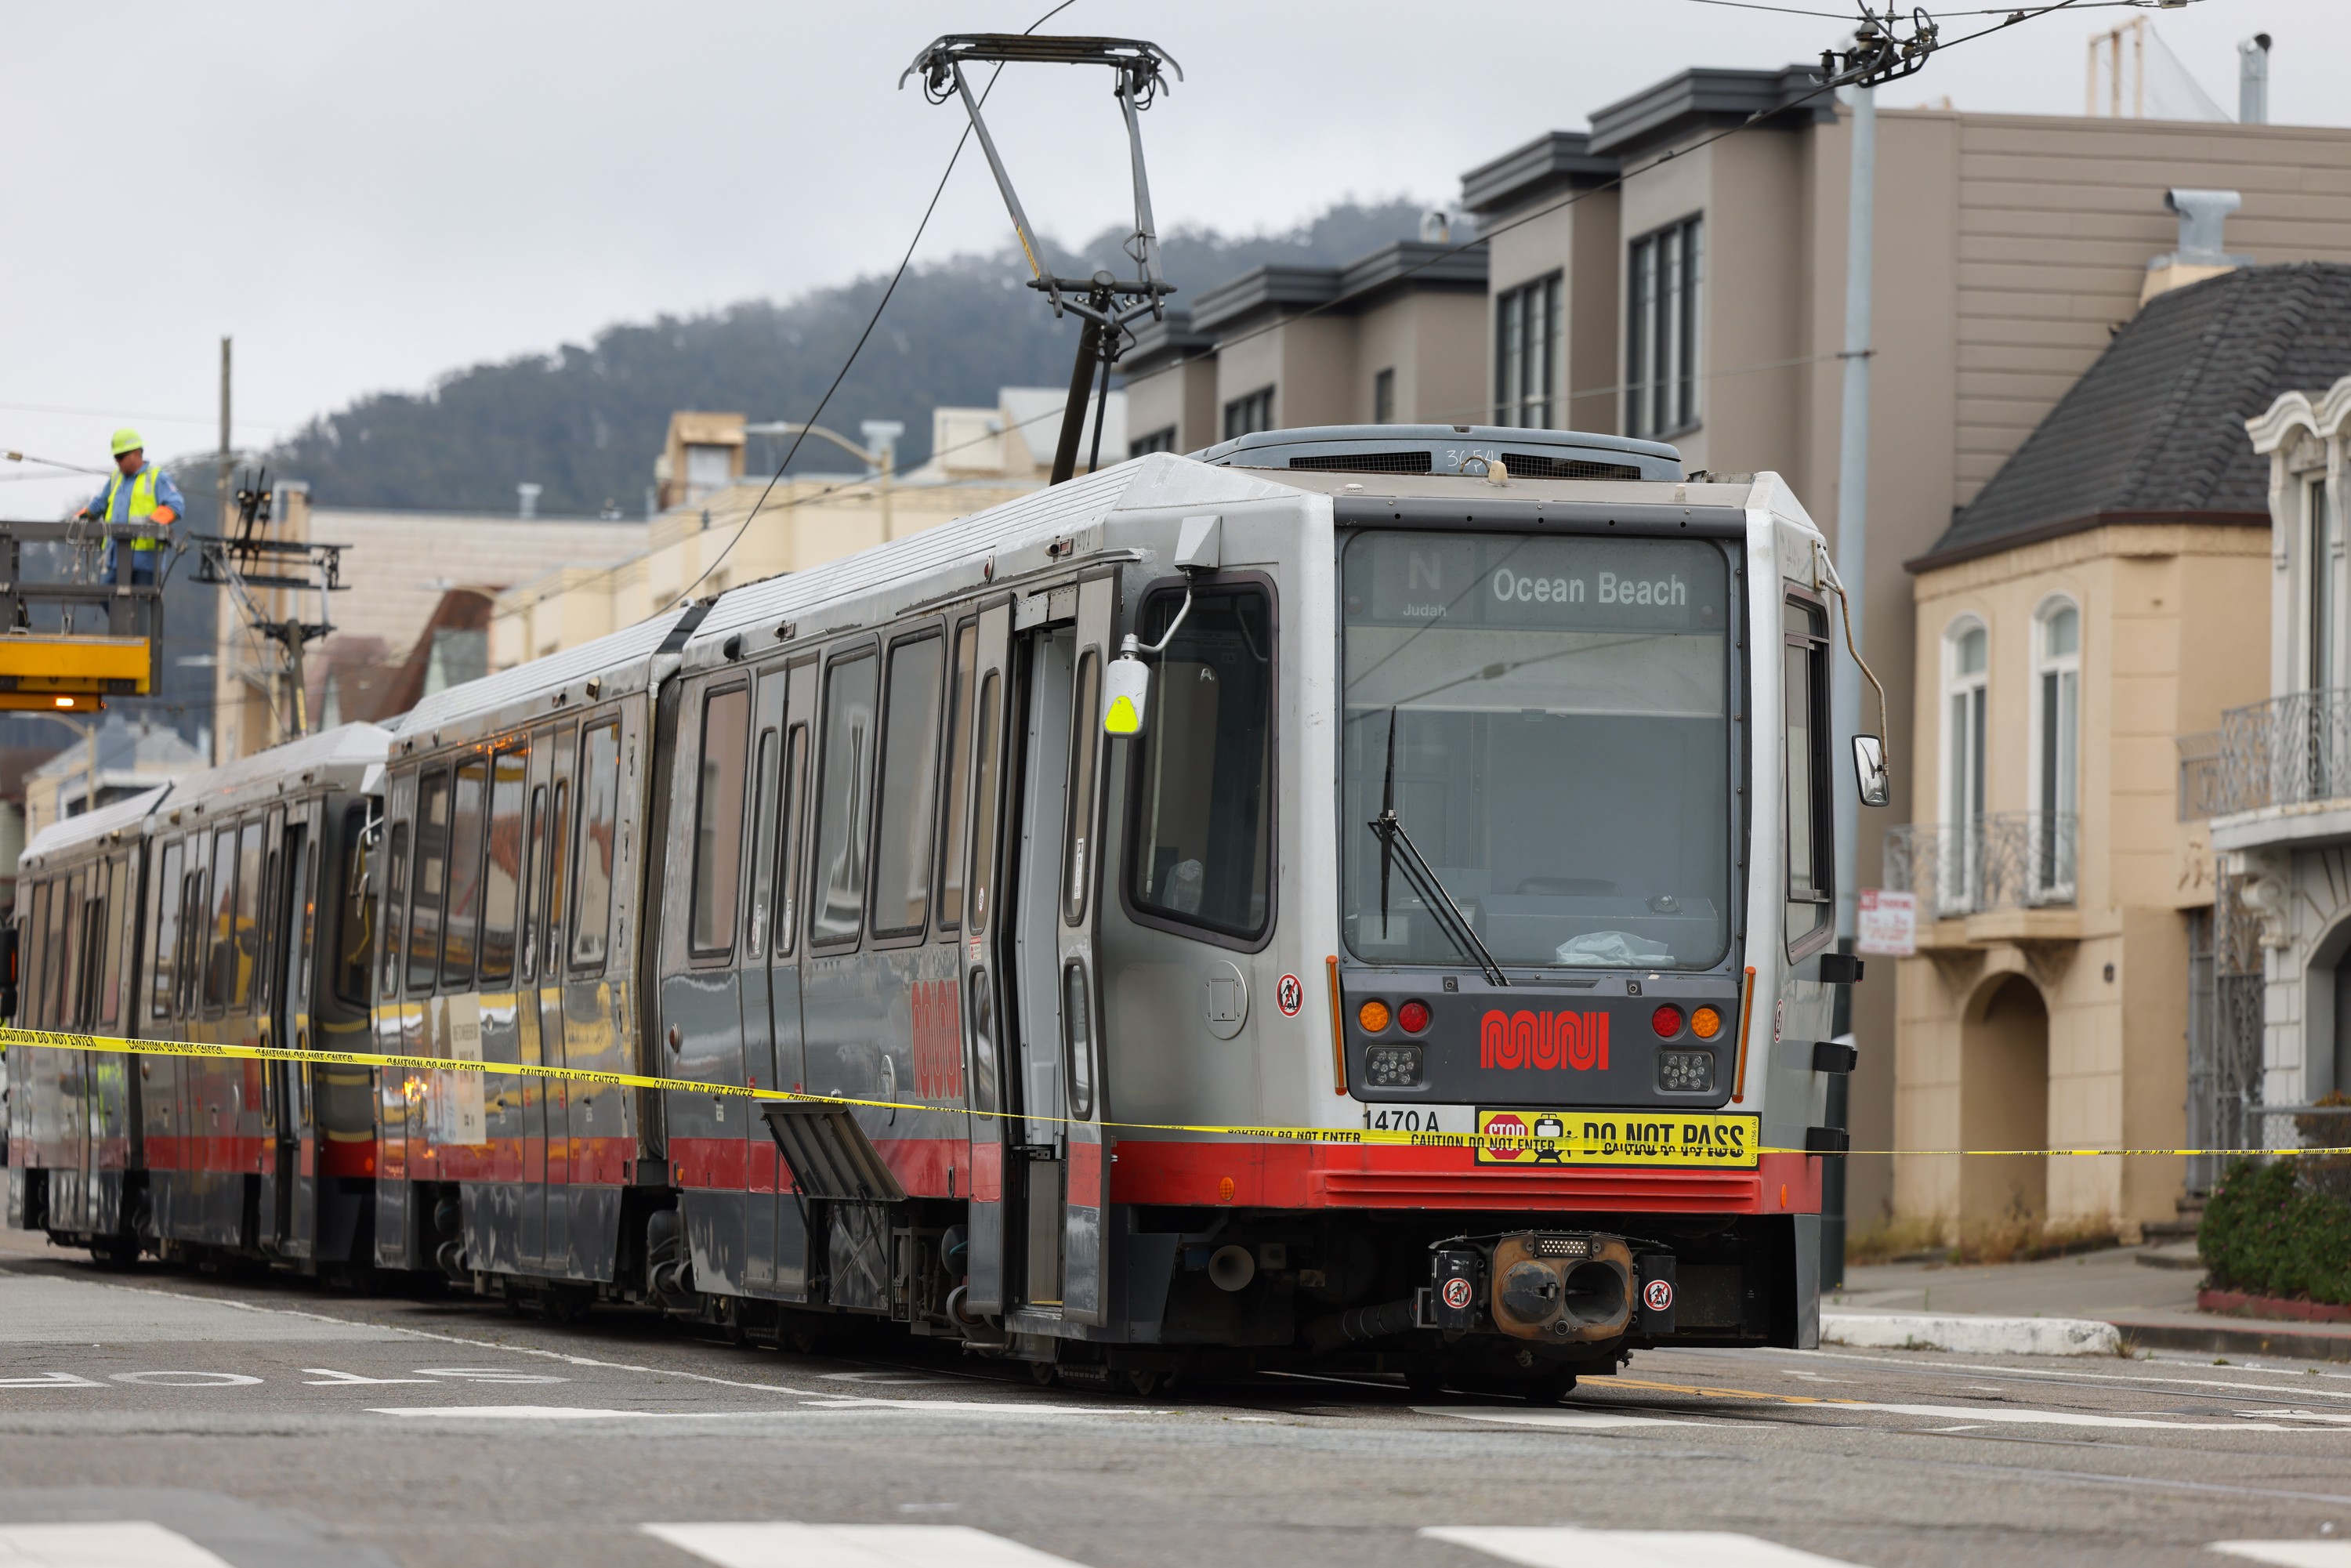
[2264,1232]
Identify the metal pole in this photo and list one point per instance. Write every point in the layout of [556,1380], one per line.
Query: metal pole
[1852,564]
[1073,413]
[221,471]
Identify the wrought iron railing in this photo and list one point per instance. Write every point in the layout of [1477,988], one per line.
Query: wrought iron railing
[2290,750]
[2005,860]
[2201,776]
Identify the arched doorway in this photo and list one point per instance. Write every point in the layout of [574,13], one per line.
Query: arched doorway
[2004,1102]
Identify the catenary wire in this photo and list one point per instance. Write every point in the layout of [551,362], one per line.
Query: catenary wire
[859,347]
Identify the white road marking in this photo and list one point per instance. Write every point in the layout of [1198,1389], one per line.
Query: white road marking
[782,1545]
[562,1412]
[49,1380]
[2289,1553]
[1564,1546]
[328,1377]
[1581,1420]
[130,1544]
[194,1379]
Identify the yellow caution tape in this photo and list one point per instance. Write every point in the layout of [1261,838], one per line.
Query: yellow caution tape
[1636,1142]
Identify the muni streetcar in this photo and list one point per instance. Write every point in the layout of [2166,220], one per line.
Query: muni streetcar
[1359,895]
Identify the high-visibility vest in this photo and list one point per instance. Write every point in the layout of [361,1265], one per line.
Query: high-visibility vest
[142,500]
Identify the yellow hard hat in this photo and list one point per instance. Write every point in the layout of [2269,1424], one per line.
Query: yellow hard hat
[126,440]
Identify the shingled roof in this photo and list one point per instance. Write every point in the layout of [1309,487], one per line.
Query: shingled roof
[2154,430]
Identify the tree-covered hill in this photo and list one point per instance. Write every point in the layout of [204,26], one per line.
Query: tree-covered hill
[586,422]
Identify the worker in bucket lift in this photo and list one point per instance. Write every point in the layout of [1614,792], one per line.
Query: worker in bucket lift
[140,492]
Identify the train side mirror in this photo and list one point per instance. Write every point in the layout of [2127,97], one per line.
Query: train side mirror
[1126,695]
[1869,772]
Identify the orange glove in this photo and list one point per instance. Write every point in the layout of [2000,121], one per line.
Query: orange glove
[163,514]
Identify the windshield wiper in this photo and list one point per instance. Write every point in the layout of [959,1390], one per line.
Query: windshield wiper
[1395,843]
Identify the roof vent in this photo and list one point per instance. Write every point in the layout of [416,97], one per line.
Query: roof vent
[2202,214]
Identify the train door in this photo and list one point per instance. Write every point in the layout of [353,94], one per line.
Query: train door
[553,1130]
[533,1092]
[297,1129]
[1046,944]
[274,941]
[993,1171]
[776,1243]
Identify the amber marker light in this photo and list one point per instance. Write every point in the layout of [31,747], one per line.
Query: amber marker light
[1706,1023]
[1666,1021]
[1373,1016]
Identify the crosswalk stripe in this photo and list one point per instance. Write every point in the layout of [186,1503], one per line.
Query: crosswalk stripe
[776,1545]
[2290,1554]
[1529,1415]
[1564,1546]
[122,1544]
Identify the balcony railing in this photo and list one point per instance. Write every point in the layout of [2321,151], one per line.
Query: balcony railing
[2006,860]
[2201,776]
[2288,751]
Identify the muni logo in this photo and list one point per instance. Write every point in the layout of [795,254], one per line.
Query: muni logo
[938,1041]
[1577,1040]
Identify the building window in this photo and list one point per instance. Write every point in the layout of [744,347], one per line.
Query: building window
[2325,597]
[1246,416]
[1662,276]
[1383,397]
[2056,774]
[1526,354]
[1160,440]
[1966,673]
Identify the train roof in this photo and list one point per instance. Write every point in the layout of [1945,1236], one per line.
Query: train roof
[342,757]
[91,827]
[621,661]
[991,549]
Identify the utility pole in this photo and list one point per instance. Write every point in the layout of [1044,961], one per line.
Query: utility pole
[1852,565]
[220,470]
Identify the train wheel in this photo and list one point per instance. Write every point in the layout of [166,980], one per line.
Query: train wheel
[730,1321]
[1551,1387]
[1146,1380]
[1042,1371]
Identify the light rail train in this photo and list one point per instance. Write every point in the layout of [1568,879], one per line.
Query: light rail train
[1370,785]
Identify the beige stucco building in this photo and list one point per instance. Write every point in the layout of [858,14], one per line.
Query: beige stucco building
[2108,592]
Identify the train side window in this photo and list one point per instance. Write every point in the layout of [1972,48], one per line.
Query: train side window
[272,917]
[220,924]
[558,871]
[502,874]
[958,779]
[985,805]
[462,916]
[90,948]
[844,789]
[163,926]
[195,922]
[789,810]
[596,844]
[395,901]
[763,855]
[1203,798]
[1085,746]
[428,881]
[1808,806]
[355,934]
[534,882]
[245,933]
[305,918]
[718,822]
[47,899]
[118,889]
[907,798]
[64,968]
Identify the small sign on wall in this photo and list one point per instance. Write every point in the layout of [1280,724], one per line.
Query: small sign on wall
[1888,923]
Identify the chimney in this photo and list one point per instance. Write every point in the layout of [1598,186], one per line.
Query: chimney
[529,496]
[1436,229]
[2253,80]
[2199,256]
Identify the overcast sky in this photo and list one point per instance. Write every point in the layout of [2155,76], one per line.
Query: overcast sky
[366,197]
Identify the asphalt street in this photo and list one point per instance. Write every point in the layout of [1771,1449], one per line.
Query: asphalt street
[163,1416]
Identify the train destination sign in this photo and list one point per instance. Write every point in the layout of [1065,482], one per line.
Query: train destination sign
[1620,1138]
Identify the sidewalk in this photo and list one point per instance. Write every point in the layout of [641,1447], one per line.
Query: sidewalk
[2152,1308]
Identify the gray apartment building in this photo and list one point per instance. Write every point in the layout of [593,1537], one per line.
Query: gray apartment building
[1701,301]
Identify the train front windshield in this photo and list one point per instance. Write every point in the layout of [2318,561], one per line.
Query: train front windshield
[1561,758]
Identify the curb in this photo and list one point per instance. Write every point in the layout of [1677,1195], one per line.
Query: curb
[1973,1335]
[2291,1344]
